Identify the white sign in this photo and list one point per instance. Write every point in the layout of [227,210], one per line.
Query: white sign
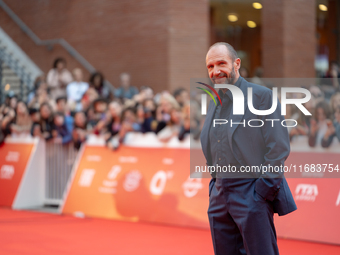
[13,156]
[191,186]
[132,181]
[86,177]
[306,192]
[7,172]
[158,182]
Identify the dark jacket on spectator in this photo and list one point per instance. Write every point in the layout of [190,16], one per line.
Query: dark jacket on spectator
[324,143]
[65,131]
[327,143]
[147,125]
[112,128]
[46,125]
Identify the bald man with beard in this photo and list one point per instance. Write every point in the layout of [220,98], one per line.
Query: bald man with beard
[242,204]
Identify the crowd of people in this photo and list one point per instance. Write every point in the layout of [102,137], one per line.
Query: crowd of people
[323,127]
[63,108]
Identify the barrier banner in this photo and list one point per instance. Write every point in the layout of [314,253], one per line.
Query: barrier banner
[317,216]
[153,184]
[13,161]
[138,184]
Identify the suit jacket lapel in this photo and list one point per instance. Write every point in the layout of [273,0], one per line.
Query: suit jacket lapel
[238,118]
[206,128]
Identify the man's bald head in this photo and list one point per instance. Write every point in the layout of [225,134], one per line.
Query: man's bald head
[231,51]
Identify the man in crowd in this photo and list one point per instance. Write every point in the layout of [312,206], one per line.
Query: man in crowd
[125,90]
[76,89]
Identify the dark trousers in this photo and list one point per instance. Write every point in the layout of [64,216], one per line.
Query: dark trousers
[241,221]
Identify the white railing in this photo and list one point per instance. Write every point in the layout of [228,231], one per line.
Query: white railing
[59,162]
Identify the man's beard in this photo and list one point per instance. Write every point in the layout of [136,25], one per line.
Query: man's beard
[230,79]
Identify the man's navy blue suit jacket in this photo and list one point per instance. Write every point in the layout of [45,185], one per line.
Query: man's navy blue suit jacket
[253,146]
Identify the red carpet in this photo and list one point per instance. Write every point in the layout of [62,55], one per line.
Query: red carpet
[23,232]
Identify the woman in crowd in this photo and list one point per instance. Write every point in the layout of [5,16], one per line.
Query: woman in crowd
[147,113]
[319,133]
[114,119]
[182,96]
[114,124]
[172,128]
[7,116]
[97,82]
[97,116]
[301,128]
[87,100]
[129,123]
[38,81]
[22,122]
[186,123]
[46,121]
[80,132]
[335,101]
[35,117]
[333,129]
[190,121]
[13,100]
[58,78]
[168,118]
[41,96]
[163,113]
[336,122]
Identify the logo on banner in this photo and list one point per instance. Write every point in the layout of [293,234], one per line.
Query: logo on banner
[7,172]
[127,159]
[191,186]
[338,200]
[110,184]
[12,156]
[132,180]
[93,158]
[168,161]
[238,99]
[115,170]
[86,177]
[239,108]
[306,192]
[158,182]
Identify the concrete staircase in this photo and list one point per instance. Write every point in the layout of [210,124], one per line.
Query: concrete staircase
[17,70]
[11,82]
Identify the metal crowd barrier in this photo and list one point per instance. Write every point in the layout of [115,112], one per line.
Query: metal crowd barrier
[59,162]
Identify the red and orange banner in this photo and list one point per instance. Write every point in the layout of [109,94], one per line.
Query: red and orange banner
[317,216]
[13,162]
[153,184]
[138,184]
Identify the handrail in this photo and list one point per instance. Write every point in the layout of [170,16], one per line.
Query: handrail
[72,51]
[20,72]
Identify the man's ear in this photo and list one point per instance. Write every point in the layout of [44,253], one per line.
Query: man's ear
[237,64]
